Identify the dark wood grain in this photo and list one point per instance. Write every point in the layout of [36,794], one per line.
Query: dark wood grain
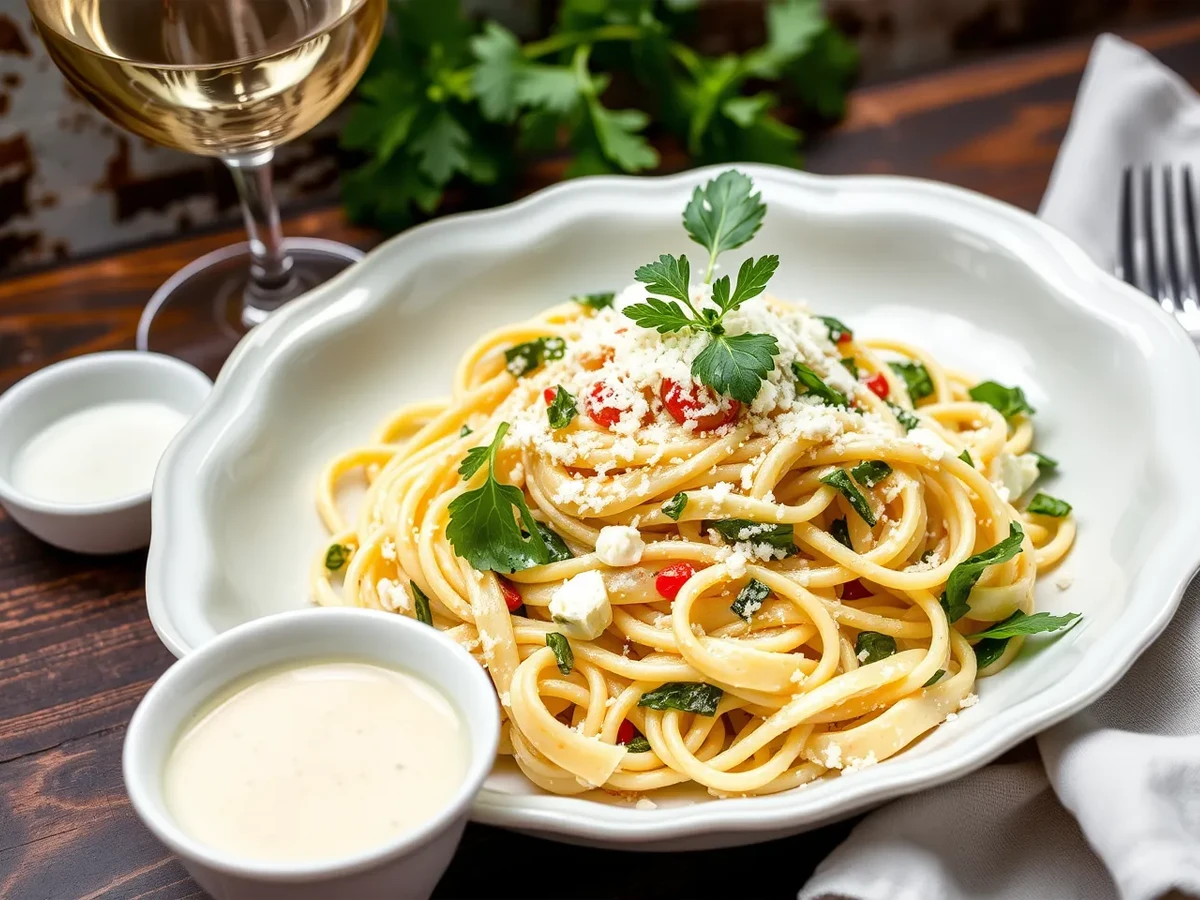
[77,651]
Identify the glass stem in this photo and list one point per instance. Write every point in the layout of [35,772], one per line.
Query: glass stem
[271,278]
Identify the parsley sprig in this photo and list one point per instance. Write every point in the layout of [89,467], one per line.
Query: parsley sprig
[485,525]
[722,215]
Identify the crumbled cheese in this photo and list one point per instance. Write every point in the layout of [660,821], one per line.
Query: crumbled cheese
[797,677]
[504,699]
[953,717]
[931,443]
[388,549]
[1063,582]
[968,701]
[736,563]
[619,545]
[581,606]
[393,595]
[1013,475]
[833,756]
[855,764]
[862,656]
[645,803]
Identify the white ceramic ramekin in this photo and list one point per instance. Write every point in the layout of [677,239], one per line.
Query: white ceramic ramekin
[110,526]
[407,867]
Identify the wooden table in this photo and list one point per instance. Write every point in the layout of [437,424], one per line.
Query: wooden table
[77,651]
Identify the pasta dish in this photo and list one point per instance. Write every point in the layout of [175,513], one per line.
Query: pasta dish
[698,534]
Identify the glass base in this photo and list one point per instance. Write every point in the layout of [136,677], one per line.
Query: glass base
[202,311]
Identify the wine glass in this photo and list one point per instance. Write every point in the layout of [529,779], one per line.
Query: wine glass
[232,79]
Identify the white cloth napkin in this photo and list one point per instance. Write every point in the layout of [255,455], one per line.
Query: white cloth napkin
[1113,810]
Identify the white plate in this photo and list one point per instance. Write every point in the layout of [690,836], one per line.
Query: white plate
[986,287]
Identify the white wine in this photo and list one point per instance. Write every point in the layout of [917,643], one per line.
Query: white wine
[214,77]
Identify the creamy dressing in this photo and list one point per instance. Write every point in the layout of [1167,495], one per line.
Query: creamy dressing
[101,453]
[314,762]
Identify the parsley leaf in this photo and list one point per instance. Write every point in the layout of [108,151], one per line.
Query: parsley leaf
[475,458]
[496,75]
[934,678]
[670,276]
[877,646]
[750,599]
[723,214]
[751,281]
[736,364]
[837,329]
[778,537]
[988,651]
[916,378]
[687,696]
[638,744]
[524,358]
[962,579]
[556,547]
[818,388]
[851,365]
[483,527]
[965,456]
[674,507]
[839,530]
[1020,623]
[907,419]
[1045,463]
[595,301]
[871,472]
[336,556]
[839,480]
[562,408]
[664,316]
[1008,401]
[421,604]
[1045,505]
[562,651]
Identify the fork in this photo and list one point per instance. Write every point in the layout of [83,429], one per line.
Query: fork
[1159,240]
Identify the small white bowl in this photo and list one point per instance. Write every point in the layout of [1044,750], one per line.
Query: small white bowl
[40,399]
[405,867]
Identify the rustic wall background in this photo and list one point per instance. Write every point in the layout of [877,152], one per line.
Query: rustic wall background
[72,185]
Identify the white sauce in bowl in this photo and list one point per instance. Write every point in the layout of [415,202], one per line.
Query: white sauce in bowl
[317,761]
[100,453]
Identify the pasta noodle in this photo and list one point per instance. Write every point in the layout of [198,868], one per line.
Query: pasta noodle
[797,700]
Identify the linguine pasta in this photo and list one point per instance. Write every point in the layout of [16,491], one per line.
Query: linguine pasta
[743,594]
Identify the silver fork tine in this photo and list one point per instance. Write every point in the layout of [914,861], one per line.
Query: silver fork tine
[1191,236]
[1171,279]
[1151,256]
[1128,230]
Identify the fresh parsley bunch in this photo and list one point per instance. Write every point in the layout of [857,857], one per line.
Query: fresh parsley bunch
[446,102]
[722,215]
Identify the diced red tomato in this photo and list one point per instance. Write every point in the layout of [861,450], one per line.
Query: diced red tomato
[855,590]
[512,597]
[549,394]
[672,578]
[683,402]
[845,337]
[626,732]
[600,406]
[878,385]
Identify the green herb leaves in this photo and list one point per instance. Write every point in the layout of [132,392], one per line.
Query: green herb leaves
[994,640]
[421,604]
[840,532]
[837,329]
[1045,505]
[524,358]
[595,301]
[777,537]
[907,419]
[722,215]
[483,527]
[916,379]
[639,744]
[674,507]
[871,646]
[750,599]
[963,577]
[686,696]
[736,364]
[562,408]
[562,652]
[1008,401]
[839,480]
[871,472]
[336,556]
[813,384]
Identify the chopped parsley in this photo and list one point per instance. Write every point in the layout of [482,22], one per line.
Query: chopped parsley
[1009,401]
[840,481]
[916,379]
[750,599]
[525,358]
[483,527]
[638,744]
[722,215]
[871,472]
[903,416]
[965,456]
[840,532]
[562,408]
[674,507]
[686,696]
[934,678]
[421,604]
[778,537]
[595,301]
[964,576]
[1045,505]
[876,646]
[837,329]
[562,652]
[1045,463]
[336,556]
[814,385]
